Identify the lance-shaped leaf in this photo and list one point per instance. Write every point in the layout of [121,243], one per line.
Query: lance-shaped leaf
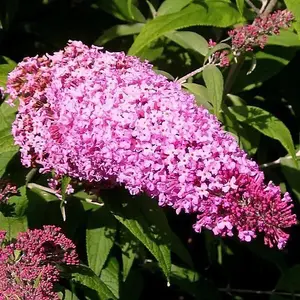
[266,123]
[100,235]
[110,275]
[172,6]
[189,40]
[86,278]
[13,225]
[118,31]
[215,84]
[218,14]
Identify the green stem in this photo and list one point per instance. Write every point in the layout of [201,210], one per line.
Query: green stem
[193,73]
[30,175]
[232,75]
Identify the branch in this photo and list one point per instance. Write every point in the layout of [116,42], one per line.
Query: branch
[269,8]
[184,78]
[230,290]
[264,3]
[253,6]
[232,74]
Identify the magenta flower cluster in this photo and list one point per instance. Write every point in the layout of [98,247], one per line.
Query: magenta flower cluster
[97,116]
[28,266]
[245,38]
[219,58]
[7,189]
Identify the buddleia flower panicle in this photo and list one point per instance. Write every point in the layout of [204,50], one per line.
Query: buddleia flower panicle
[101,116]
[245,38]
[29,265]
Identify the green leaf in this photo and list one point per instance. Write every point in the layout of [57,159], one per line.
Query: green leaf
[240,5]
[118,31]
[110,276]
[38,207]
[218,14]
[216,48]
[249,138]
[64,185]
[180,250]
[152,9]
[13,225]
[189,40]
[215,84]
[48,197]
[129,8]
[68,295]
[84,276]
[6,66]
[120,10]
[172,6]
[7,149]
[145,220]
[291,172]
[286,38]
[279,51]
[294,7]
[266,123]
[20,203]
[156,216]
[289,282]
[192,283]
[187,274]
[253,64]
[236,100]
[201,94]
[7,114]
[7,146]
[128,245]
[100,235]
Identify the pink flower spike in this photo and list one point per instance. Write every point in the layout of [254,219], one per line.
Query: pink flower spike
[99,117]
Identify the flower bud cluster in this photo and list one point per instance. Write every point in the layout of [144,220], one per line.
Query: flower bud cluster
[28,266]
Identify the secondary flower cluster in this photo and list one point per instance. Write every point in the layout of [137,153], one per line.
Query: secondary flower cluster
[98,116]
[28,266]
[247,37]
[220,57]
[7,189]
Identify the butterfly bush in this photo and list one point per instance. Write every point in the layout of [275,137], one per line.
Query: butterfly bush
[28,266]
[245,38]
[101,116]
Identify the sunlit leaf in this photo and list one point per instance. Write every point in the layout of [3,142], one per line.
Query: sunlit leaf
[219,14]
[214,82]
[266,123]
[100,235]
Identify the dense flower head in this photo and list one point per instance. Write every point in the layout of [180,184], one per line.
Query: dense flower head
[28,266]
[96,115]
[245,38]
